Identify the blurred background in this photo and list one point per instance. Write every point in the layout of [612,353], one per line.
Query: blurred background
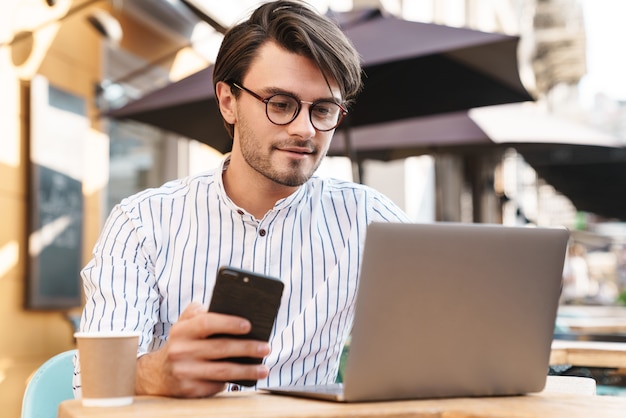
[80,77]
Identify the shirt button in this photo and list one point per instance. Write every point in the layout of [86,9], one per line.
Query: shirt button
[240,212]
[262,232]
[235,388]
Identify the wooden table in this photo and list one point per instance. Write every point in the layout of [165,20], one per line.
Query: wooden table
[589,354]
[582,311]
[594,325]
[593,319]
[259,404]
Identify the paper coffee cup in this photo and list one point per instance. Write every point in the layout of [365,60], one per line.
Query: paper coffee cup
[108,362]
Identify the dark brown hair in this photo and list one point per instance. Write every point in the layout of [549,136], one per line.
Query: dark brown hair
[298,28]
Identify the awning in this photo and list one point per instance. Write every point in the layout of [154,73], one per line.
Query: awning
[411,69]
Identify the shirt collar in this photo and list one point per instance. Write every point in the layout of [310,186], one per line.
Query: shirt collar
[293,199]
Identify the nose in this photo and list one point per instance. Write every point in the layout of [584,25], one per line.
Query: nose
[301,126]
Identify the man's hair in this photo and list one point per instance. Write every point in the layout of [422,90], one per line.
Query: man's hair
[296,27]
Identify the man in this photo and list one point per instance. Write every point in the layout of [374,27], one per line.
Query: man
[283,79]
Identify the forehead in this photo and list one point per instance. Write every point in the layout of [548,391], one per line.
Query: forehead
[275,67]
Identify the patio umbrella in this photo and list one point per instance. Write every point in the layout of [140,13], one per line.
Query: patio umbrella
[186,107]
[581,162]
[519,125]
[584,164]
[415,69]
[592,177]
[411,69]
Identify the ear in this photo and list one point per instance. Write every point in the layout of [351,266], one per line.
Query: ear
[227,102]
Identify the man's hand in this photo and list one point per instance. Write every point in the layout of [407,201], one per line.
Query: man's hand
[188,364]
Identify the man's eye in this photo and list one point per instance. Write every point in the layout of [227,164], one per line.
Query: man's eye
[283,105]
[326,110]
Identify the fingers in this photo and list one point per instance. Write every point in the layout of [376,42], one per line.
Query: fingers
[192,365]
[213,323]
[194,369]
[198,389]
[224,348]
[195,323]
[213,373]
[201,371]
[214,349]
[157,376]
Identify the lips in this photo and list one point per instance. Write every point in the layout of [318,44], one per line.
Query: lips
[297,150]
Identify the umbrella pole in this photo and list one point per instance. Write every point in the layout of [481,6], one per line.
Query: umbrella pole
[357,169]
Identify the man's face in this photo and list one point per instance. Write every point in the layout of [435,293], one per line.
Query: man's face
[285,154]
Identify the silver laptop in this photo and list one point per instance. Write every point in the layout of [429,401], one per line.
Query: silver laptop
[451,310]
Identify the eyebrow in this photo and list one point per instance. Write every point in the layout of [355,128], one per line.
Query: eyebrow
[276,90]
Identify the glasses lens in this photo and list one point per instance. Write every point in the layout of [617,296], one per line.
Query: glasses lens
[281,109]
[325,115]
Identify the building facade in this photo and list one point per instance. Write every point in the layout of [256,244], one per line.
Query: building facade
[92,54]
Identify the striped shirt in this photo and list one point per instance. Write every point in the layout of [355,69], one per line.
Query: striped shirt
[161,248]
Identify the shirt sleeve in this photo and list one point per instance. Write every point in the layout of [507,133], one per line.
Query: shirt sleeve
[383,209]
[119,282]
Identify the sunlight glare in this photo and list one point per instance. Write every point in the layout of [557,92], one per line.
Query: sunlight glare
[9,256]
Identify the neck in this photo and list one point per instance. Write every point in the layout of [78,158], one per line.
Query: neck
[252,191]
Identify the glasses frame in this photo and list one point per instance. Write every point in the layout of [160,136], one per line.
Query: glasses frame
[343,111]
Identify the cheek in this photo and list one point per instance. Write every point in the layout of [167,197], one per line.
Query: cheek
[324,140]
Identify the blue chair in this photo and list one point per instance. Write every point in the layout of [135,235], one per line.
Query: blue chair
[49,386]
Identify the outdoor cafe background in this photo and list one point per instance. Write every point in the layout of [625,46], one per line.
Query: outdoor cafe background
[64,62]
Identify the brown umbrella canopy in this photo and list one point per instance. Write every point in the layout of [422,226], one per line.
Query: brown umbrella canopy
[410,69]
[416,69]
[592,177]
[186,107]
[584,164]
[519,125]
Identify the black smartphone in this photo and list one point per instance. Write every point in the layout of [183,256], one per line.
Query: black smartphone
[250,295]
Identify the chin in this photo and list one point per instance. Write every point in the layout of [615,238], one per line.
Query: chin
[299,172]
[292,181]
[294,178]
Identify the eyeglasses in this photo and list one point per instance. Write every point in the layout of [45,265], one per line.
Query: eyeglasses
[283,108]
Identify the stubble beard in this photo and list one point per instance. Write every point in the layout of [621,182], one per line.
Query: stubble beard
[292,176]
